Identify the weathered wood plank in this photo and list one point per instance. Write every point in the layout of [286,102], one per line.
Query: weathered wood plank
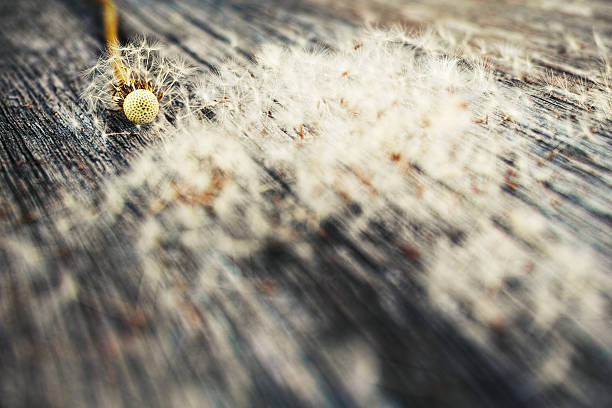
[351,323]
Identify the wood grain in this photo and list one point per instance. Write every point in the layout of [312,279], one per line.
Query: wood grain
[75,326]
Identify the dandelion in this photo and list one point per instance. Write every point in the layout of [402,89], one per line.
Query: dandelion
[136,78]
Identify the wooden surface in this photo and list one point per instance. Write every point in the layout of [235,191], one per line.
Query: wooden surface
[106,344]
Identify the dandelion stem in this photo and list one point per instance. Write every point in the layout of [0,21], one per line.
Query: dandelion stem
[109,11]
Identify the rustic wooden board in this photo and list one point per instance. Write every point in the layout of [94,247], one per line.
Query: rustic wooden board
[75,327]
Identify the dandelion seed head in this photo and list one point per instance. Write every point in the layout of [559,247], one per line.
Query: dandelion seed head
[141,106]
[140,66]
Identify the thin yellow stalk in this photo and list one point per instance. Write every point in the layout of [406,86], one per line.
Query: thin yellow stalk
[109,11]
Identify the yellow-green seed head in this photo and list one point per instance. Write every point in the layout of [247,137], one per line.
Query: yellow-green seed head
[141,106]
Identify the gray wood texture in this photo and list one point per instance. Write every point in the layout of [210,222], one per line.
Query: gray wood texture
[109,345]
